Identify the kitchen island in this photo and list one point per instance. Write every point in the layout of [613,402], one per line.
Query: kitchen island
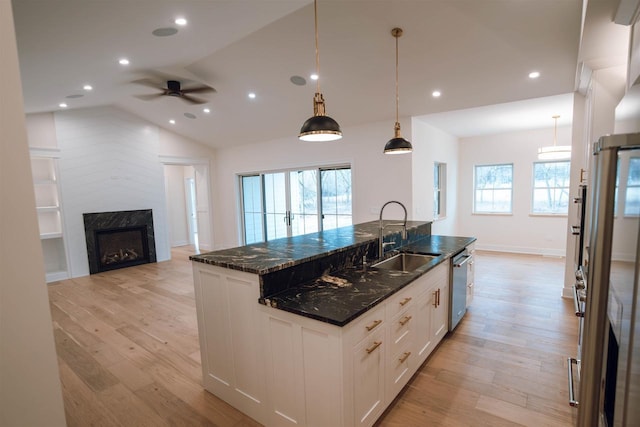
[301,331]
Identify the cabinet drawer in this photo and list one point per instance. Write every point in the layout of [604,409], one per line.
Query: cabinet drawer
[400,368]
[401,300]
[401,329]
[370,322]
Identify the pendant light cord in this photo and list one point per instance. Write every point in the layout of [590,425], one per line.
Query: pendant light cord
[397,95]
[315,15]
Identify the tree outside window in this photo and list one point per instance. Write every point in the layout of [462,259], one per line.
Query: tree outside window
[632,196]
[294,202]
[493,189]
[551,187]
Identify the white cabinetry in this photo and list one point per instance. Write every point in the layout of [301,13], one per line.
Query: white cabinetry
[45,173]
[284,369]
[432,310]
[323,375]
[230,339]
[471,272]
[369,344]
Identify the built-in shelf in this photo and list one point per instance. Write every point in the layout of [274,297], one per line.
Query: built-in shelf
[48,208]
[45,236]
[44,171]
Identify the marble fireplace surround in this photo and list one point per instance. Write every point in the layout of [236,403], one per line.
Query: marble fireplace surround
[113,221]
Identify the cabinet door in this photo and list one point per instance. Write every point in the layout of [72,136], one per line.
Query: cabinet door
[232,359]
[440,312]
[423,337]
[303,371]
[368,378]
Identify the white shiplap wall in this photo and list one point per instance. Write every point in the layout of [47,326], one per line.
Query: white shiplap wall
[109,162]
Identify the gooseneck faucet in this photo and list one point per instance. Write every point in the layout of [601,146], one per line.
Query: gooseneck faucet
[381,243]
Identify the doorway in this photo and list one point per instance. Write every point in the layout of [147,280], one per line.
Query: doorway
[187,198]
[192,218]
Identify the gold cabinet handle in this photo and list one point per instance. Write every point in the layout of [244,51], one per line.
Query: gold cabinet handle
[373,325]
[375,345]
[404,356]
[404,320]
[438,297]
[405,301]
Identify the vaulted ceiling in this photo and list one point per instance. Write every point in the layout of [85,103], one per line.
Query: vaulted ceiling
[476,52]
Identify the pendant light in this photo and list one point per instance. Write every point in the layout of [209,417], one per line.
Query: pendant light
[320,127]
[397,144]
[555,152]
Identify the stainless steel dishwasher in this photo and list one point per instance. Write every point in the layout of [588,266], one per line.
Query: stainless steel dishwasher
[460,266]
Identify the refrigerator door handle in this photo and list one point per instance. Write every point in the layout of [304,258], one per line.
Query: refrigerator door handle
[576,302]
[572,398]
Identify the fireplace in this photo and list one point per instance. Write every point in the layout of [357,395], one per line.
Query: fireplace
[119,239]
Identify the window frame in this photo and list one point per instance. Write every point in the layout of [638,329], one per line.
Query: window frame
[627,185]
[287,174]
[439,190]
[474,210]
[534,188]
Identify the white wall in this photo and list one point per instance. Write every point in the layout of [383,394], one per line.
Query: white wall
[111,160]
[108,162]
[41,130]
[30,390]
[376,177]
[432,145]
[519,232]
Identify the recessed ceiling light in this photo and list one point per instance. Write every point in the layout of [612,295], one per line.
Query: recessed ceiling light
[180,21]
[87,87]
[173,122]
[534,74]
[313,76]
[190,115]
[123,61]
[206,110]
[436,94]
[164,32]
[252,95]
[62,105]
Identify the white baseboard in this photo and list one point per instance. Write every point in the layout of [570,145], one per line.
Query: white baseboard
[56,275]
[560,253]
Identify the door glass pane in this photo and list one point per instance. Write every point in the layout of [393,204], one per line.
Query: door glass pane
[304,201]
[252,204]
[275,205]
[632,198]
[336,198]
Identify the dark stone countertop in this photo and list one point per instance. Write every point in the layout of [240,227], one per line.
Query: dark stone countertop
[274,255]
[365,288]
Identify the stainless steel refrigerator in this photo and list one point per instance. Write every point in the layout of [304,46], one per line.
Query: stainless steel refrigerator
[609,385]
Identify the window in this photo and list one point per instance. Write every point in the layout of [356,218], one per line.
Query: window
[439,190]
[294,202]
[632,196]
[252,204]
[336,197]
[550,187]
[493,188]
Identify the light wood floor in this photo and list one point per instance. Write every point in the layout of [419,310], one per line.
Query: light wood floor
[128,351]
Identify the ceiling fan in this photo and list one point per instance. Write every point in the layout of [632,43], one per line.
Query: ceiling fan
[174,88]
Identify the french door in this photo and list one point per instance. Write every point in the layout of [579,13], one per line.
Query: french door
[291,203]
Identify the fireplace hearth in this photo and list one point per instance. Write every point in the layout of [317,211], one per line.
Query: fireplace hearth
[119,239]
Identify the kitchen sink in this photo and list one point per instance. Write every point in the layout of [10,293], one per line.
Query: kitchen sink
[404,262]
